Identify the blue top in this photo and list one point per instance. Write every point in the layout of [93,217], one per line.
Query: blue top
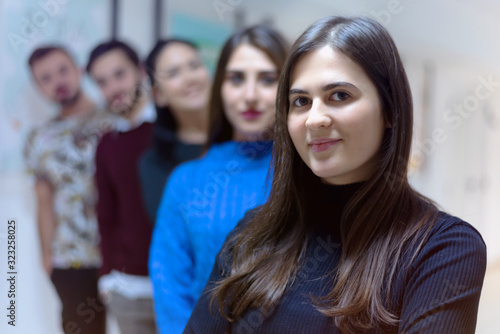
[202,202]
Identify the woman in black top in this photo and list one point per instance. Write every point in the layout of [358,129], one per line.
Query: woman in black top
[344,244]
[181,88]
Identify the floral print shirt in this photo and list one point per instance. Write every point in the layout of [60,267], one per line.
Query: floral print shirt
[62,153]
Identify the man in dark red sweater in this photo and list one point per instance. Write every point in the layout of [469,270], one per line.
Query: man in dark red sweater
[123,221]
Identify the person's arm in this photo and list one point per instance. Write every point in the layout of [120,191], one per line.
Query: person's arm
[46,219]
[44,194]
[152,175]
[171,259]
[443,289]
[206,318]
[106,209]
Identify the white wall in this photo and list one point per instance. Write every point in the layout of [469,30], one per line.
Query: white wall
[135,24]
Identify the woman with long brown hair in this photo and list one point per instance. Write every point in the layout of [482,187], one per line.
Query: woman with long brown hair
[205,198]
[343,243]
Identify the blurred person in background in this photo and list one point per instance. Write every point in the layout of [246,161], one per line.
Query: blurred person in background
[205,198]
[181,88]
[344,244]
[123,221]
[60,154]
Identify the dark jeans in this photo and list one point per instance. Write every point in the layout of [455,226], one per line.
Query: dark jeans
[82,311]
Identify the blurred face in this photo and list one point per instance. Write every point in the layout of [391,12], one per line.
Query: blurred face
[183,82]
[58,78]
[249,92]
[335,118]
[119,80]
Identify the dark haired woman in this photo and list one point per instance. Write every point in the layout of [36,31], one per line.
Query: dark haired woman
[344,244]
[205,198]
[181,88]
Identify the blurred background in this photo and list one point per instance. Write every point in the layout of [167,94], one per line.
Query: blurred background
[451,51]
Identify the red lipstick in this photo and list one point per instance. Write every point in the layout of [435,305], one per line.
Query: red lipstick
[251,114]
[321,145]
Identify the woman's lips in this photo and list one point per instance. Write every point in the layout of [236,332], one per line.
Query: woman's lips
[321,145]
[194,91]
[251,114]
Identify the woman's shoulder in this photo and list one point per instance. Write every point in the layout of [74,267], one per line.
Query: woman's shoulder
[194,170]
[213,156]
[222,149]
[241,150]
[451,237]
[224,258]
[220,156]
[186,169]
[242,223]
[249,215]
[447,224]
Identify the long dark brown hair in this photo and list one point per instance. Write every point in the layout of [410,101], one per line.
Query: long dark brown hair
[380,221]
[265,39]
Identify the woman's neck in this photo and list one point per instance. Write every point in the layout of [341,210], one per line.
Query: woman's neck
[266,135]
[325,204]
[192,126]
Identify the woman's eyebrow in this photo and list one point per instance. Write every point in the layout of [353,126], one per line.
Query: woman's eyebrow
[325,88]
[337,84]
[268,72]
[297,91]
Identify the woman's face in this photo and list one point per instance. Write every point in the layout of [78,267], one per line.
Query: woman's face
[335,118]
[249,92]
[183,82]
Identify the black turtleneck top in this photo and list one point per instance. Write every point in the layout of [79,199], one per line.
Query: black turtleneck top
[438,293]
[158,162]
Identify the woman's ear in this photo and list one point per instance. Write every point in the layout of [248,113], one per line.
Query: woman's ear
[159,97]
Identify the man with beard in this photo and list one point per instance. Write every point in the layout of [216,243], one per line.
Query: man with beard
[123,220]
[60,154]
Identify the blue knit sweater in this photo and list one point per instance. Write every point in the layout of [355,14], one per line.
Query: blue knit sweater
[202,202]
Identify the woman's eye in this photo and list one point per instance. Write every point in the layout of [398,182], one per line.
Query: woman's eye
[120,74]
[195,65]
[172,74]
[300,101]
[269,79]
[235,78]
[340,96]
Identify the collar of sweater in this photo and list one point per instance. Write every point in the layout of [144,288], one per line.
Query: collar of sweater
[247,150]
[325,204]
